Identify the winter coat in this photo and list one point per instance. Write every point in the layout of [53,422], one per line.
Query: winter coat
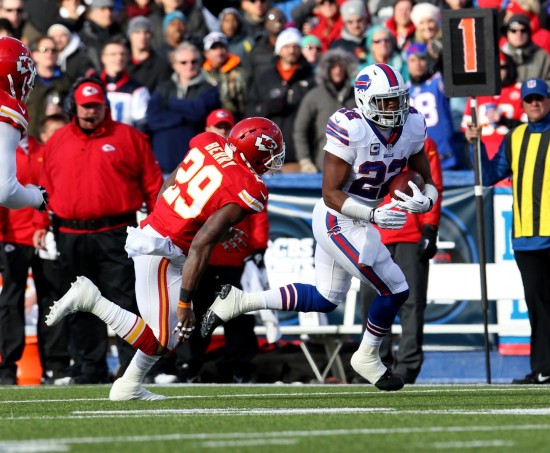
[175,114]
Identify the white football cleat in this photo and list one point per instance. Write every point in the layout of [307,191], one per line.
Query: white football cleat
[82,296]
[123,390]
[227,305]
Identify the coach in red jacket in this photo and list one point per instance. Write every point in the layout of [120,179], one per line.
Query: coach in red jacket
[411,247]
[99,172]
[18,255]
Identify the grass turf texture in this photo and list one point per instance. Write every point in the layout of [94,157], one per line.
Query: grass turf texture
[327,418]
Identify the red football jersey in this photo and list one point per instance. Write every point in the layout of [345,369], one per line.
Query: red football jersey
[14,112]
[206,180]
[508,104]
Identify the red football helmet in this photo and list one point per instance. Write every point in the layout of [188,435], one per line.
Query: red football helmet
[17,71]
[258,142]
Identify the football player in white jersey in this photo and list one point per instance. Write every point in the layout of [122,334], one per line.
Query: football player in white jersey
[17,73]
[366,147]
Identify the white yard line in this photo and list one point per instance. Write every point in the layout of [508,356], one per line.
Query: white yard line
[228,439]
[416,391]
[471,444]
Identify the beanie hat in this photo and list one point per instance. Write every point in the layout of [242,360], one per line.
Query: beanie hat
[352,8]
[139,23]
[425,11]
[173,16]
[287,36]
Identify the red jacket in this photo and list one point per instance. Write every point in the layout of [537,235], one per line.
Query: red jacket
[256,226]
[108,173]
[412,230]
[16,225]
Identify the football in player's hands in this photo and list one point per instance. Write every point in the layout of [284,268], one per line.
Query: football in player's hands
[401,183]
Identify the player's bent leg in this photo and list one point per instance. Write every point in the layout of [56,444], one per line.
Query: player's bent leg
[233,302]
[129,386]
[82,296]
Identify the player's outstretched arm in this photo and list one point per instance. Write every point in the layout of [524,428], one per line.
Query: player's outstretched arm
[211,233]
[12,194]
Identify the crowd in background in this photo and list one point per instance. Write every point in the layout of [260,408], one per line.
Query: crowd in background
[166,65]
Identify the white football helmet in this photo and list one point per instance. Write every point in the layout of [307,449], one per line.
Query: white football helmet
[374,86]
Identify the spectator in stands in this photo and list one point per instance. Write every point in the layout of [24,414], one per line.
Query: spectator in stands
[352,39]
[99,28]
[411,248]
[224,70]
[255,13]
[135,8]
[73,13]
[17,255]
[72,57]
[14,11]
[400,23]
[311,49]
[522,155]
[6,28]
[92,222]
[128,99]
[277,92]
[146,65]
[233,27]
[262,55]
[530,8]
[530,59]
[178,107]
[40,15]
[174,27]
[381,49]
[427,93]
[327,23]
[161,10]
[334,90]
[500,113]
[426,18]
[51,85]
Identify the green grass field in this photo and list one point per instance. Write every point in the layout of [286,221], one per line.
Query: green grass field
[275,418]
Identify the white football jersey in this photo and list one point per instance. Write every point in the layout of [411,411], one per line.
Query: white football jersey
[374,158]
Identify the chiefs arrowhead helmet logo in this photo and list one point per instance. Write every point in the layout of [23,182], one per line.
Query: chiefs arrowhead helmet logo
[266,143]
[25,64]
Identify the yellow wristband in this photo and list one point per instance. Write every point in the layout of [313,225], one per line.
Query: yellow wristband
[185,305]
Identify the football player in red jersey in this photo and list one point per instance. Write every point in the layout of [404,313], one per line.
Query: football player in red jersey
[17,73]
[217,185]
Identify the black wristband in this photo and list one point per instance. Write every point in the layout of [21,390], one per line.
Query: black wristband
[186,295]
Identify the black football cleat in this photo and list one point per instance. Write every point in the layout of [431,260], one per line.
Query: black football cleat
[390,382]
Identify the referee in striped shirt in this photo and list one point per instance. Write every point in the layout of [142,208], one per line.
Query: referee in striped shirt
[524,155]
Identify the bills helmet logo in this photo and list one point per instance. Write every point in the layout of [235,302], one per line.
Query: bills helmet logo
[266,143]
[25,64]
[363,82]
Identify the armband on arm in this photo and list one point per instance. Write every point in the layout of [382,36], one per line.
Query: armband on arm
[186,297]
[356,210]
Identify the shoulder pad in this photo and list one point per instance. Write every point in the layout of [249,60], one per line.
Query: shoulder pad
[13,111]
[416,124]
[346,126]
[254,196]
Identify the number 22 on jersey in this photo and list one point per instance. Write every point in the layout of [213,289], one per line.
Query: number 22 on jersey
[202,182]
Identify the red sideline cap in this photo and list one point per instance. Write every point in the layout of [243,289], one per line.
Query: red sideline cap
[220,116]
[88,93]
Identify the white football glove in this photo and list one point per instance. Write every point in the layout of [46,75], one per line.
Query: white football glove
[416,204]
[385,217]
